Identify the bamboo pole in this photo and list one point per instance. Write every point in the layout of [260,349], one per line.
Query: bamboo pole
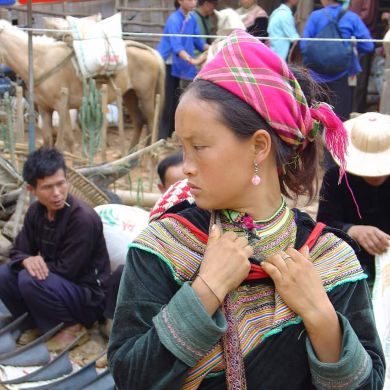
[156,118]
[131,198]
[120,121]
[19,113]
[103,92]
[154,134]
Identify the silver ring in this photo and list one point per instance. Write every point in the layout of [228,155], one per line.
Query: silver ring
[287,257]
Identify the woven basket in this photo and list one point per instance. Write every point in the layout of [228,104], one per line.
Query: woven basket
[84,189]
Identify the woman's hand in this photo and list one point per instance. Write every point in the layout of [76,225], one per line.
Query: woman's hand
[372,239]
[301,288]
[225,264]
[297,282]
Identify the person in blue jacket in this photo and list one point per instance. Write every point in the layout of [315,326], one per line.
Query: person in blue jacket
[350,25]
[336,85]
[178,54]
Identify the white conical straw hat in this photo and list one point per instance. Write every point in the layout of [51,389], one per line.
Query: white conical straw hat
[369,145]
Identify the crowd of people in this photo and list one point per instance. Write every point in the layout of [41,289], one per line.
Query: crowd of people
[227,286]
[346,88]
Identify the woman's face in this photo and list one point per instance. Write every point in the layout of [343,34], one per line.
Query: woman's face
[217,163]
[247,3]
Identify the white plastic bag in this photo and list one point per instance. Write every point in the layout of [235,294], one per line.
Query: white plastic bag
[121,225]
[381,303]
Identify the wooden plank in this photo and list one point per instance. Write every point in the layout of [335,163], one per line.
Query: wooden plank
[149,24]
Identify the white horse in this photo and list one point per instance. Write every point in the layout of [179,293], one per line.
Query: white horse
[228,20]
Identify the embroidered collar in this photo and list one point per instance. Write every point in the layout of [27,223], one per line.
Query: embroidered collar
[268,236]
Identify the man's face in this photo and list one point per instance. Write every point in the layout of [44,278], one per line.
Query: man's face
[172,175]
[375,181]
[51,191]
[187,5]
[209,7]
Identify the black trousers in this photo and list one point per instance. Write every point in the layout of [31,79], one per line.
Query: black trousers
[48,301]
[340,98]
[360,94]
[172,93]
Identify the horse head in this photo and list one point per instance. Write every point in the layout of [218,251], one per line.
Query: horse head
[228,20]
[4,24]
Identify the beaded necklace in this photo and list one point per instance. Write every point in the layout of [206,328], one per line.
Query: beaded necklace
[266,236]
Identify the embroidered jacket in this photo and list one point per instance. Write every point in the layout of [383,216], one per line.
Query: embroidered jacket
[163,338]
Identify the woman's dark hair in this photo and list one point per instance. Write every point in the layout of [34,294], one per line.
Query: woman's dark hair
[297,171]
[42,163]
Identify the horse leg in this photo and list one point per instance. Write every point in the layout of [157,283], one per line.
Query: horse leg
[47,127]
[131,101]
[147,107]
[66,136]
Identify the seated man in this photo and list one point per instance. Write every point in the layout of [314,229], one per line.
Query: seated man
[368,173]
[59,266]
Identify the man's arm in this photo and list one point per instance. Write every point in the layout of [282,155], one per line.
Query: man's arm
[24,245]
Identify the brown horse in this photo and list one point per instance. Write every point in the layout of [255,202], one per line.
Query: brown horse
[143,78]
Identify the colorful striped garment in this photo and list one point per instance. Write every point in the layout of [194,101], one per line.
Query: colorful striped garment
[258,309]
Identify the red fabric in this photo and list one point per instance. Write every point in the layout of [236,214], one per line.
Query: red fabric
[316,232]
[48,1]
[257,271]
[198,233]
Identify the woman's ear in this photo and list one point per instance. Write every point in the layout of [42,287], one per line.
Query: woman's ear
[262,144]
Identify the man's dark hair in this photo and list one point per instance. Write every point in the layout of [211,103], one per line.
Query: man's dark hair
[201,2]
[173,160]
[42,163]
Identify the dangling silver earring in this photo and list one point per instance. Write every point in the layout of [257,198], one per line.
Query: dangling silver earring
[256,179]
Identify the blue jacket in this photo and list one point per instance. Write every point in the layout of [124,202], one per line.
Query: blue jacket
[171,46]
[350,25]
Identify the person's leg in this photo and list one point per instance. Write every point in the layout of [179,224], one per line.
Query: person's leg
[171,99]
[340,97]
[339,94]
[55,300]
[11,296]
[360,93]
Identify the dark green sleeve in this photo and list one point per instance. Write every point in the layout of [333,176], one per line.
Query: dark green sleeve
[362,364]
[160,329]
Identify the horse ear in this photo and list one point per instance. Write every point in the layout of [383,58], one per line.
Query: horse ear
[217,13]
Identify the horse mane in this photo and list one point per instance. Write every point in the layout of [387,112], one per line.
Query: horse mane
[40,40]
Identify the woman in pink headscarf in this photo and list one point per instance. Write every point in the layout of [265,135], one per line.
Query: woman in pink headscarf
[228,287]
